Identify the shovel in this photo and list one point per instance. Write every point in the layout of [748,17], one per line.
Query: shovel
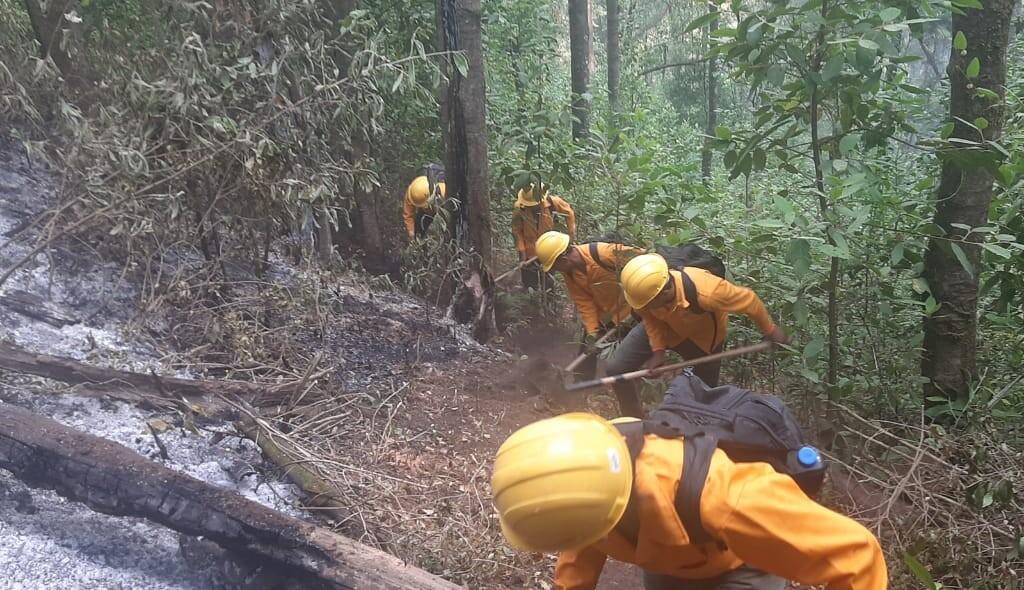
[514,269]
[597,346]
[718,356]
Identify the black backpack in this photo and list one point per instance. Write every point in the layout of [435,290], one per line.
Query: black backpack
[434,173]
[678,257]
[748,426]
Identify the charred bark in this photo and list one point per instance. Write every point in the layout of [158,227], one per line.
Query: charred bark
[580,51]
[112,479]
[964,196]
[48,28]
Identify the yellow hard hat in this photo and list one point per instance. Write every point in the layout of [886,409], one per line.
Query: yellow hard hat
[562,483]
[643,278]
[529,196]
[419,191]
[551,245]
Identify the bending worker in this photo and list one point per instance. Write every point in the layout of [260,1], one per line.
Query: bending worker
[591,273]
[533,216]
[682,310]
[421,200]
[567,484]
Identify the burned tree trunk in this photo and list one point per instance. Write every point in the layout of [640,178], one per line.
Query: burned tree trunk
[112,479]
[466,138]
[48,28]
[964,196]
[580,52]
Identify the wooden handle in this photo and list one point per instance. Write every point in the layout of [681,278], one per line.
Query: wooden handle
[514,269]
[575,363]
[718,356]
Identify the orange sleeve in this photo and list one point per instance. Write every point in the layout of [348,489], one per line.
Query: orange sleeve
[584,301]
[579,570]
[658,332]
[409,215]
[769,523]
[729,298]
[517,232]
[563,206]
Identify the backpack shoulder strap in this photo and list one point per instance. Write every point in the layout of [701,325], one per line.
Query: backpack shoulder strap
[690,290]
[697,452]
[629,525]
[592,248]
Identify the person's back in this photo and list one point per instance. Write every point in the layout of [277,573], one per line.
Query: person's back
[567,483]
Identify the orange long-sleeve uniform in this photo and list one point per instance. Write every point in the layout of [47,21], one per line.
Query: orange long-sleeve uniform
[595,290]
[528,223]
[670,325]
[409,211]
[761,517]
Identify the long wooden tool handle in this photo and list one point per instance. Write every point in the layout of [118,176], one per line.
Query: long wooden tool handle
[718,356]
[514,269]
[576,362]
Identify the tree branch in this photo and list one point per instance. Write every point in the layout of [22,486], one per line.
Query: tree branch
[680,64]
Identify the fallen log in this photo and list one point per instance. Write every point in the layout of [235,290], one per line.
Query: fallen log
[35,307]
[17,359]
[322,495]
[112,479]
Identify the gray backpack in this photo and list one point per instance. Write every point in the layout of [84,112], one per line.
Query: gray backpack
[747,426]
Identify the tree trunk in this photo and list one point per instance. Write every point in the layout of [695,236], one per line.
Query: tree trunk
[614,59]
[112,479]
[712,103]
[964,196]
[49,32]
[580,50]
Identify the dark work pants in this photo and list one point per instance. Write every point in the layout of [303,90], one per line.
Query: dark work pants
[535,278]
[423,220]
[633,352]
[742,578]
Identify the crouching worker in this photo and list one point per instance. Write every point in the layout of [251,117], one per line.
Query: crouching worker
[568,485]
[422,198]
[684,310]
[591,273]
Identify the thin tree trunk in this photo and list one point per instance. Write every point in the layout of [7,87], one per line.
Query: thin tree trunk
[712,103]
[614,59]
[49,32]
[580,49]
[964,196]
[824,208]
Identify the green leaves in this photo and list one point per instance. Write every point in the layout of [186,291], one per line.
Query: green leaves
[961,257]
[973,69]
[799,255]
[700,21]
[889,14]
[723,133]
[920,572]
[461,64]
[960,41]
[868,44]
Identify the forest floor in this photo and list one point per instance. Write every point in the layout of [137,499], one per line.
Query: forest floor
[416,404]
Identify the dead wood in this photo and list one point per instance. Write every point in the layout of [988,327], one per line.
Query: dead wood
[321,494]
[17,359]
[112,479]
[34,306]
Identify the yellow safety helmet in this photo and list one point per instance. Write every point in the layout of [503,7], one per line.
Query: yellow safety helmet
[419,191]
[551,245]
[643,278]
[529,196]
[562,483]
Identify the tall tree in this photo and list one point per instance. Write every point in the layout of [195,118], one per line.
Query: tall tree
[712,99]
[614,57]
[977,76]
[580,52]
[466,124]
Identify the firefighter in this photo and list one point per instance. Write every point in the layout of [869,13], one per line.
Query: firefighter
[591,273]
[422,199]
[682,310]
[568,484]
[534,215]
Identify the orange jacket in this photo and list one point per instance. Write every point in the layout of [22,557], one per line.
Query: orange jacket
[762,516]
[409,213]
[528,223]
[596,290]
[670,325]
